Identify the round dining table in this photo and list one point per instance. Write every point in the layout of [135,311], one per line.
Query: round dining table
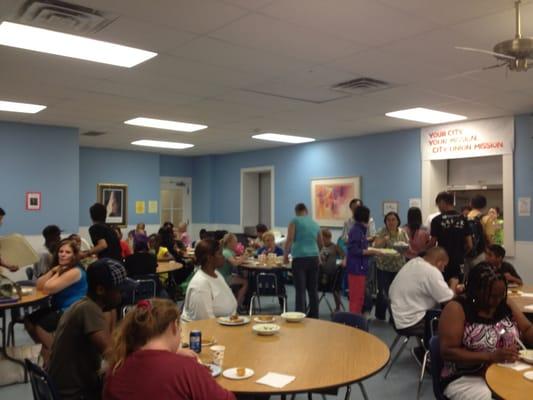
[523,297]
[509,384]
[168,266]
[320,354]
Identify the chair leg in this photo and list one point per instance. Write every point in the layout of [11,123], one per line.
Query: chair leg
[348,393]
[309,396]
[405,341]
[394,343]
[363,390]
[11,334]
[422,373]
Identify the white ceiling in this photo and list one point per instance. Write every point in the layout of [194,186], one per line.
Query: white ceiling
[217,58]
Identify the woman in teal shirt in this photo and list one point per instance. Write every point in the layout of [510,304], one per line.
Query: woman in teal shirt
[304,242]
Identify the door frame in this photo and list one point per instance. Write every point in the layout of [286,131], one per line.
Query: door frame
[173,180]
[267,168]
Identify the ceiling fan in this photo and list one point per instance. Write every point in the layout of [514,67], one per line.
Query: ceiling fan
[515,54]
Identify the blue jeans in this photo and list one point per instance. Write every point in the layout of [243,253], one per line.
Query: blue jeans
[385,279]
[305,277]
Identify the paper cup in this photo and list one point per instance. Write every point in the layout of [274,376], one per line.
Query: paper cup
[217,352]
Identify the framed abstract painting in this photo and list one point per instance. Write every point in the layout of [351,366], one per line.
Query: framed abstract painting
[330,199]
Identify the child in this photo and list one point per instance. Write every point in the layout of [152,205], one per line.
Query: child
[494,255]
[230,270]
[329,254]
[182,235]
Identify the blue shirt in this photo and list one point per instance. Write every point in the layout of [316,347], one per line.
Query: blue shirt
[71,294]
[305,236]
[277,250]
[356,262]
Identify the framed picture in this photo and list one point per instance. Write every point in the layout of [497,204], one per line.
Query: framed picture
[115,198]
[330,199]
[390,206]
[33,201]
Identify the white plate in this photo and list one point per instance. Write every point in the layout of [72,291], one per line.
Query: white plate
[231,373]
[527,356]
[528,375]
[266,329]
[264,321]
[293,316]
[216,370]
[243,320]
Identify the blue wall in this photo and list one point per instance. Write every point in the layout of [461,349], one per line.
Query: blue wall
[138,170]
[35,158]
[523,173]
[379,159]
[175,166]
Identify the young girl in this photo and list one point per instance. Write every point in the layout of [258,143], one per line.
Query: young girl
[67,283]
[145,360]
[229,244]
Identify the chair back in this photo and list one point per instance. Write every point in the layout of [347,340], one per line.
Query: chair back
[436,367]
[351,319]
[41,385]
[267,284]
[145,289]
[431,325]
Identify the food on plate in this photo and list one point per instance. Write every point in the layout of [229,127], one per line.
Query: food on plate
[240,371]
[265,318]
[235,318]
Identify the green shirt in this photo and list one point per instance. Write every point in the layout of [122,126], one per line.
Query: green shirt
[305,234]
[227,268]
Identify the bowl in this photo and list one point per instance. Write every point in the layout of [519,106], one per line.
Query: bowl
[293,316]
[266,329]
[527,356]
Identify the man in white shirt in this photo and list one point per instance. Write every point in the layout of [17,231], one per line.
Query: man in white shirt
[418,288]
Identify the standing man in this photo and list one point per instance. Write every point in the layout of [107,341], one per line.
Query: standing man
[82,335]
[476,224]
[450,231]
[3,263]
[105,240]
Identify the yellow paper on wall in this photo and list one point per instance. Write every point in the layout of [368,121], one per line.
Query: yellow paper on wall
[152,207]
[139,207]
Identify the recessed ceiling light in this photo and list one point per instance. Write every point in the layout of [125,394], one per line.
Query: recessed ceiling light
[162,144]
[63,44]
[278,137]
[165,124]
[426,115]
[13,106]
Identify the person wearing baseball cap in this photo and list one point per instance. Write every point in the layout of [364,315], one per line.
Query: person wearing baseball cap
[83,335]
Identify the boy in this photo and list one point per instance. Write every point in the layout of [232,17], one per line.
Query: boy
[494,255]
[105,240]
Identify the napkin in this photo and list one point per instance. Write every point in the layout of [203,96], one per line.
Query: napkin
[276,380]
[517,365]
[526,294]
[529,307]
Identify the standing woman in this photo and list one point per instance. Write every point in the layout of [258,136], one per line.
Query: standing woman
[67,283]
[357,256]
[303,242]
[388,265]
[418,235]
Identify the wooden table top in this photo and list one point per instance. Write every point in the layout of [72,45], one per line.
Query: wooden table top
[168,266]
[509,384]
[522,301]
[320,354]
[26,300]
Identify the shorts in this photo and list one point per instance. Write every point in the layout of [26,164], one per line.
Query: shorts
[47,318]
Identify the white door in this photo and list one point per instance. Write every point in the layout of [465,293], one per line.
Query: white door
[175,200]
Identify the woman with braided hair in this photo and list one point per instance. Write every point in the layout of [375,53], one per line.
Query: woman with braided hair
[477,329]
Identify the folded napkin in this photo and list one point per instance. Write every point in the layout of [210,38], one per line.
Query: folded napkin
[276,380]
[526,294]
[517,365]
[529,307]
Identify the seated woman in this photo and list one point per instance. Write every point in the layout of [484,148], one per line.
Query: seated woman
[477,329]
[269,245]
[148,340]
[208,295]
[67,283]
[231,271]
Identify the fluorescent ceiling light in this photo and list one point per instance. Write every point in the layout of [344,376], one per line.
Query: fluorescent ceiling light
[63,44]
[278,137]
[165,124]
[426,115]
[162,144]
[12,106]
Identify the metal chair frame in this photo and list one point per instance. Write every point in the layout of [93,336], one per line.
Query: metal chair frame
[274,291]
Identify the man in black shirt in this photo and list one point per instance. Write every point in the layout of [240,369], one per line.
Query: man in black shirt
[105,241]
[494,255]
[450,231]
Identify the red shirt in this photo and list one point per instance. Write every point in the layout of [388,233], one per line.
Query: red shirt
[159,374]
[125,249]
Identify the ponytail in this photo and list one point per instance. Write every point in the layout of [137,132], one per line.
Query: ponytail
[149,319]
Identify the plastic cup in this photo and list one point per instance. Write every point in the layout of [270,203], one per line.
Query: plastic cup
[217,352]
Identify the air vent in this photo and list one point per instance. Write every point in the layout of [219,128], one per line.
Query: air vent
[60,16]
[361,86]
[93,133]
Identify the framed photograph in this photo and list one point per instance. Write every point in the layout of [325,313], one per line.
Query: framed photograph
[115,198]
[390,206]
[33,201]
[330,199]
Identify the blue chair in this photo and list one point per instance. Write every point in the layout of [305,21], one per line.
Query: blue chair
[351,319]
[431,323]
[267,285]
[41,385]
[436,368]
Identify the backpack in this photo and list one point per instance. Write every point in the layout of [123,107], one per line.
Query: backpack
[478,236]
